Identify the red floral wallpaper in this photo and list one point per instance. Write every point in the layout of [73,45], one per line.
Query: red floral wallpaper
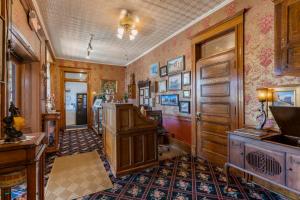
[259,51]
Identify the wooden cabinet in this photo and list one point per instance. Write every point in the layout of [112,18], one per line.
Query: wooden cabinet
[51,128]
[293,171]
[287,37]
[25,158]
[130,140]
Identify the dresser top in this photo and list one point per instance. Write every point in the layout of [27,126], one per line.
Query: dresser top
[254,133]
[31,140]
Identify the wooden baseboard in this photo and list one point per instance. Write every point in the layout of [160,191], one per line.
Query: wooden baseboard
[180,145]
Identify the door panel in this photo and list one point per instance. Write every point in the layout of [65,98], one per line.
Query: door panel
[216,104]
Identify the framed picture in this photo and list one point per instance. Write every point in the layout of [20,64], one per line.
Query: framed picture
[186,93]
[162,86]
[154,69]
[163,71]
[169,100]
[157,99]
[146,92]
[186,78]
[174,82]
[284,98]
[109,86]
[141,92]
[176,65]
[146,101]
[184,107]
[141,100]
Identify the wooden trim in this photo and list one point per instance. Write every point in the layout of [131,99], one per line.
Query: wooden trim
[180,118]
[63,70]
[74,69]
[235,23]
[180,145]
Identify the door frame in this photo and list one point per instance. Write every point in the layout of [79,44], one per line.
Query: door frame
[63,80]
[236,24]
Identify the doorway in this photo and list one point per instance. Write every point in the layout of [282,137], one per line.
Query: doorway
[75,100]
[218,88]
[76,104]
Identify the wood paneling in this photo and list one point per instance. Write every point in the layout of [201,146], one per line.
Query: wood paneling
[178,127]
[216,90]
[293,169]
[215,71]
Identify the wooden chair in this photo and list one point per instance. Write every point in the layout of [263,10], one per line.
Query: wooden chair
[162,133]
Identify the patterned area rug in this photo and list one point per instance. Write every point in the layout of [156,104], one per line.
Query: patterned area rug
[182,177]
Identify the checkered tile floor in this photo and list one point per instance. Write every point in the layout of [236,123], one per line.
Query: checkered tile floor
[183,177]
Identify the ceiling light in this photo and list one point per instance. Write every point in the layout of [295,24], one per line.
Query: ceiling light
[127,25]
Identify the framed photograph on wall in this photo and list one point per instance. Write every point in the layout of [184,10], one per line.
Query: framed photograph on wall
[154,69]
[163,71]
[141,100]
[162,86]
[169,100]
[284,98]
[185,107]
[174,82]
[146,92]
[146,101]
[157,99]
[141,92]
[186,93]
[176,65]
[186,78]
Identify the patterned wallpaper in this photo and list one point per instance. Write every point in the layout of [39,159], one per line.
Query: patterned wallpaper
[259,51]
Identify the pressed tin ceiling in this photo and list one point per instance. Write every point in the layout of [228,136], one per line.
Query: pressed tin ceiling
[69,24]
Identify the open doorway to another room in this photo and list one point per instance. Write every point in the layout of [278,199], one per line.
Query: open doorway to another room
[76,102]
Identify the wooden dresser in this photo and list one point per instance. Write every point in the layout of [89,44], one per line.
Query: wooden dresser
[23,162]
[129,138]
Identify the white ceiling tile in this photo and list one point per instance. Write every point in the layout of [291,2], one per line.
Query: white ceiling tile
[70,23]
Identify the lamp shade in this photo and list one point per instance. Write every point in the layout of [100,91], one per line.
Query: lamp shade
[262,94]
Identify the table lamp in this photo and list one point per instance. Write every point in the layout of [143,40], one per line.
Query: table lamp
[263,96]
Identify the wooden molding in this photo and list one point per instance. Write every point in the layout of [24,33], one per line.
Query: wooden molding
[177,117]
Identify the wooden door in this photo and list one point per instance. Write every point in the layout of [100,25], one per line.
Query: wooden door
[287,37]
[216,104]
[293,169]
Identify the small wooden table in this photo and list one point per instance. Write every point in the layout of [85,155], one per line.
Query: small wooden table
[25,156]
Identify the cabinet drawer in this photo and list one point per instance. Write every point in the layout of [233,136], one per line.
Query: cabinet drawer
[267,163]
[236,153]
[293,171]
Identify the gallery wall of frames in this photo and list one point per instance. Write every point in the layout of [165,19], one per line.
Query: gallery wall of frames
[170,86]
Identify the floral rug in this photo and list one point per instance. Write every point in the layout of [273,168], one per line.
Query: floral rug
[183,177]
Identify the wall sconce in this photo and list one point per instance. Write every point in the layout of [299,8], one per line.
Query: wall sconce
[263,95]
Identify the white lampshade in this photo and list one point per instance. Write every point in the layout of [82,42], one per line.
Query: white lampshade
[121,30]
[134,32]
